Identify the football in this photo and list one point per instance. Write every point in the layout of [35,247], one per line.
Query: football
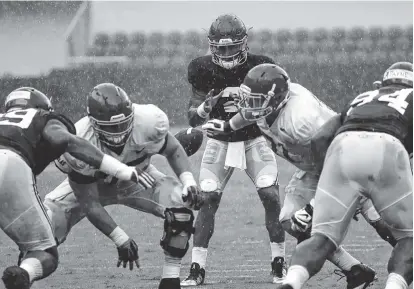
[191,139]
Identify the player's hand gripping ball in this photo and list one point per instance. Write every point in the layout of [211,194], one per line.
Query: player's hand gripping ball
[191,139]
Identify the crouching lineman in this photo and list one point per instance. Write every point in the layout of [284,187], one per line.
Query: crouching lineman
[32,136]
[369,156]
[131,133]
[288,115]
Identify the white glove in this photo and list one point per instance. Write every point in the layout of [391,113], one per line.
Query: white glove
[302,219]
[216,127]
[136,175]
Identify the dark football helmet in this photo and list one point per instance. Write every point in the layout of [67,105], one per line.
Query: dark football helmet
[111,113]
[264,90]
[400,73]
[27,97]
[227,38]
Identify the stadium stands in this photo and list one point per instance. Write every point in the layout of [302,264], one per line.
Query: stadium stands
[334,64]
[330,41]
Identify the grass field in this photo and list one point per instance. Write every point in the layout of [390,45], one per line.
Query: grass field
[239,255]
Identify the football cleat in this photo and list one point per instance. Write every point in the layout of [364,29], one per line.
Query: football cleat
[15,277]
[359,274]
[196,277]
[170,283]
[278,270]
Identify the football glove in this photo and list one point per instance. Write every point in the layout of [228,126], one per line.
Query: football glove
[211,101]
[216,127]
[193,197]
[128,253]
[143,178]
[302,219]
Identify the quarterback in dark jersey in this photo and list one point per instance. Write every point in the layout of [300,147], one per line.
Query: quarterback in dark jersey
[369,156]
[32,136]
[214,79]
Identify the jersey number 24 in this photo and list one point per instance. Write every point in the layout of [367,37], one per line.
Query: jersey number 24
[20,118]
[396,100]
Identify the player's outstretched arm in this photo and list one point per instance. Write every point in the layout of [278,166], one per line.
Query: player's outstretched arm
[179,162]
[88,196]
[57,134]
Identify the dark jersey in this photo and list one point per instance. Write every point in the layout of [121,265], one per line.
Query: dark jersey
[388,110]
[204,75]
[22,130]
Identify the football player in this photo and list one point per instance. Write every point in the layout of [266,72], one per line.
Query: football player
[288,115]
[369,156]
[32,136]
[131,133]
[212,78]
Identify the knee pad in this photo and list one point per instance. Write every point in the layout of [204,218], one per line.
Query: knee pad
[266,181]
[209,185]
[178,227]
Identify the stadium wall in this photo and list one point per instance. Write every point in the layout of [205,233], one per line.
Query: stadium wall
[32,36]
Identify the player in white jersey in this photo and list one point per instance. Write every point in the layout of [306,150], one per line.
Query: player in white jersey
[132,133]
[288,115]
[367,151]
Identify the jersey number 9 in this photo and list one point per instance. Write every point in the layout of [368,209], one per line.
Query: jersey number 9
[20,118]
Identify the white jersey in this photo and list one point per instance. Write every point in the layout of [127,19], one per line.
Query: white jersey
[298,120]
[147,138]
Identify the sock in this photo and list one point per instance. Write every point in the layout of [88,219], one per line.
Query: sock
[297,276]
[199,255]
[34,267]
[278,249]
[171,267]
[396,281]
[342,259]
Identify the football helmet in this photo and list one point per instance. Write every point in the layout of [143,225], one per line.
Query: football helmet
[111,113]
[400,73]
[264,90]
[27,97]
[227,38]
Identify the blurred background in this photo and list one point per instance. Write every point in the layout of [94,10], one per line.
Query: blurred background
[336,49]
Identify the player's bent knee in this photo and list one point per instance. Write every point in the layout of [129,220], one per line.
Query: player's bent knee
[266,181]
[209,185]
[178,227]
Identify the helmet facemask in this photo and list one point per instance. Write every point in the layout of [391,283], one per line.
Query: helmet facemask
[256,106]
[228,53]
[115,132]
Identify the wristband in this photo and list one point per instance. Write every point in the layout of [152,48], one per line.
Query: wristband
[201,112]
[118,236]
[187,179]
[111,165]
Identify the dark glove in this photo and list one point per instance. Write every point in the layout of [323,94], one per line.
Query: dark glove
[128,253]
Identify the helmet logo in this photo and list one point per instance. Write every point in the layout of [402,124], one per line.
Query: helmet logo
[118,117]
[271,92]
[225,41]
[18,95]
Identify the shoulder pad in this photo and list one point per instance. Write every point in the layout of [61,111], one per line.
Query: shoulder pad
[151,124]
[63,119]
